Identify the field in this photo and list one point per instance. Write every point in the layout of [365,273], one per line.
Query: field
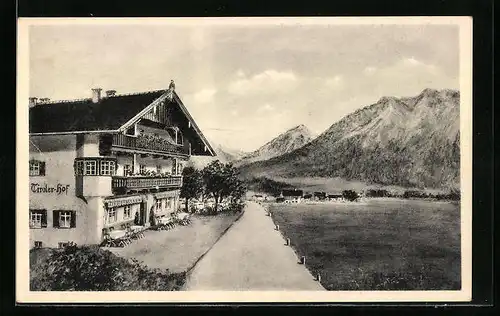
[384,244]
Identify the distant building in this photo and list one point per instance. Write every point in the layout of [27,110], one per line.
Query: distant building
[320,196]
[259,197]
[307,196]
[335,197]
[293,195]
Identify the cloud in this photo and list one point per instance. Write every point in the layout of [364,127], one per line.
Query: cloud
[240,73]
[204,95]
[265,108]
[336,82]
[403,77]
[411,62]
[269,81]
[369,70]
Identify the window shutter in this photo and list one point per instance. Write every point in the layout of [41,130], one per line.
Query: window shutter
[42,168]
[44,218]
[73,219]
[55,218]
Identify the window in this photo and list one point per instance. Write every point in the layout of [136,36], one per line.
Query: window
[79,167]
[158,205]
[64,219]
[126,212]
[107,168]
[158,168]
[142,168]
[38,218]
[38,244]
[180,139]
[127,170]
[90,168]
[37,168]
[110,216]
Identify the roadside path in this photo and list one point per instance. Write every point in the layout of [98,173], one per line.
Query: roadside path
[251,256]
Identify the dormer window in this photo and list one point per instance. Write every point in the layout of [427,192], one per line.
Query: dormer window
[180,139]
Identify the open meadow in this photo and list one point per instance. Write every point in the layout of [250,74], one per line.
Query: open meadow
[383,244]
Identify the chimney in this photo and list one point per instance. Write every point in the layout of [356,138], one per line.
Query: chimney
[110,93]
[96,95]
[32,101]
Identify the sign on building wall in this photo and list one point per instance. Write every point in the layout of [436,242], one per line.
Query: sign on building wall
[45,188]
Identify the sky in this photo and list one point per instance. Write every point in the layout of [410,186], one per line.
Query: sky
[245,84]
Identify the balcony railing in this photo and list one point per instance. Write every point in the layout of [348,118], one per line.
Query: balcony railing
[123,184]
[147,143]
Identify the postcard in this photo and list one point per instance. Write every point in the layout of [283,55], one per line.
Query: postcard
[209,160]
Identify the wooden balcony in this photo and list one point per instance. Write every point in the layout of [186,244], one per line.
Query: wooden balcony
[147,144]
[121,185]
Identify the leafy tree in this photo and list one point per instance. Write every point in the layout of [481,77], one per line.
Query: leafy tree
[221,182]
[192,184]
[350,195]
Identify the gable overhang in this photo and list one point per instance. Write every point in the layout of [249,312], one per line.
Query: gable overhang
[184,110]
[194,125]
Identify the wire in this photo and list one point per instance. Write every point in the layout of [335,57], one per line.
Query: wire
[39,150]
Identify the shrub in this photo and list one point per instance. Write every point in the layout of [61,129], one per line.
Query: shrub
[378,193]
[90,268]
[236,206]
[350,195]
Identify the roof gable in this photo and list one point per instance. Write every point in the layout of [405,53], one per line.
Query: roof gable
[110,114]
[172,98]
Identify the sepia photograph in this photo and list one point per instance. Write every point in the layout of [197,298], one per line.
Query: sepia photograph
[244,159]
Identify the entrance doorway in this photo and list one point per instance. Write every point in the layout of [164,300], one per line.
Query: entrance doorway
[143,213]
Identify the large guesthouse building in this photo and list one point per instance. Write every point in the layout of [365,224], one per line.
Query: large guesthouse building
[101,163]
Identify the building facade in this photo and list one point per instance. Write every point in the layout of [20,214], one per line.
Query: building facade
[101,163]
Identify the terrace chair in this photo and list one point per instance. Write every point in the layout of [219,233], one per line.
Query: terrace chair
[109,241]
[140,233]
[125,240]
[131,233]
[106,242]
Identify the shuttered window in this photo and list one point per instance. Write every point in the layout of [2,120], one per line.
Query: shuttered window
[38,218]
[64,219]
[37,168]
[79,168]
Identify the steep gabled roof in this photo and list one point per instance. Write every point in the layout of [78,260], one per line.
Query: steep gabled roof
[110,113]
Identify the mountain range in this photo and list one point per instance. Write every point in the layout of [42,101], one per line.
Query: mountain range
[408,141]
[224,155]
[284,143]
